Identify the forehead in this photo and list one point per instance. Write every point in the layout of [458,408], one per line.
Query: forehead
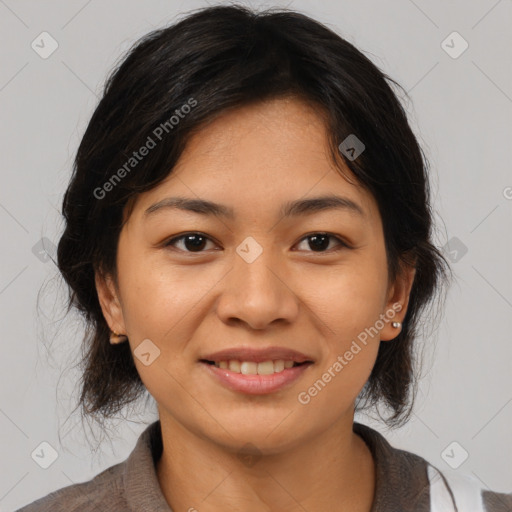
[259,157]
[270,132]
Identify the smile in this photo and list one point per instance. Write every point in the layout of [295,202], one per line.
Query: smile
[255,378]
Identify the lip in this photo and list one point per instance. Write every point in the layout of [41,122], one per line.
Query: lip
[256,384]
[258,355]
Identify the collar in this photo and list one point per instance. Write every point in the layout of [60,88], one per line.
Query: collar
[140,481]
[401,480]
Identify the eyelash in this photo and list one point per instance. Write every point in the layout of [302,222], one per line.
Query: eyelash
[170,242]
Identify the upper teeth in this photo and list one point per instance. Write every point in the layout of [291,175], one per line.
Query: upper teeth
[252,368]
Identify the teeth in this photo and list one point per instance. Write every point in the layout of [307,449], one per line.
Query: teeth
[265,368]
[249,368]
[234,366]
[252,368]
[279,365]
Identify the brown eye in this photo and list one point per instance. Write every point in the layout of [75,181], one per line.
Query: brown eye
[192,242]
[319,242]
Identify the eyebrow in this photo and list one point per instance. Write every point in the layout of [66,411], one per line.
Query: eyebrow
[290,209]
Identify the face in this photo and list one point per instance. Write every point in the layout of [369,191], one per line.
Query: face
[192,284]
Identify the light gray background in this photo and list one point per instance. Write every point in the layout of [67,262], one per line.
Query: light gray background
[461,113]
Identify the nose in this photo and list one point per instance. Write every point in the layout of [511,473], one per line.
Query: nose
[258,293]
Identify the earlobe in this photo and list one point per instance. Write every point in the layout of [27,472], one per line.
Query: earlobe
[396,307]
[109,302]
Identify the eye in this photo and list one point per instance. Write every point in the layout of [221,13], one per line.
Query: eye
[320,241]
[193,241]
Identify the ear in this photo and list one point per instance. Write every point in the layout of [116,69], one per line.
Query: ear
[397,302]
[108,296]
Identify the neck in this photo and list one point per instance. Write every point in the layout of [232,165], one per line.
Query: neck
[333,471]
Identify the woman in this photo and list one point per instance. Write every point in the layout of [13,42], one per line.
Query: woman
[248,234]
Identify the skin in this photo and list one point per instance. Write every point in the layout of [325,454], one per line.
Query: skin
[189,304]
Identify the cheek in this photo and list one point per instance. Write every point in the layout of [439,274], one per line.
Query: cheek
[159,306]
[350,308]
[160,300]
[146,300]
[351,298]
[334,388]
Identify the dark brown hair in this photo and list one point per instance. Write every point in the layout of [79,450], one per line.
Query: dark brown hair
[224,57]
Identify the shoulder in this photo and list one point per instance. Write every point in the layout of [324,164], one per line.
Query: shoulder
[406,481]
[497,501]
[468,493]
[104,490]
[129,485]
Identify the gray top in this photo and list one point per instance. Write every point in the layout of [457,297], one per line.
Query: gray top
[401,482]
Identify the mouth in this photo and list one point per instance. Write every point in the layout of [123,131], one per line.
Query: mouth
[256,371]
[255,378]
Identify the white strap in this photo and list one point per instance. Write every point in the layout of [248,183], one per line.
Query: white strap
[466,490]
